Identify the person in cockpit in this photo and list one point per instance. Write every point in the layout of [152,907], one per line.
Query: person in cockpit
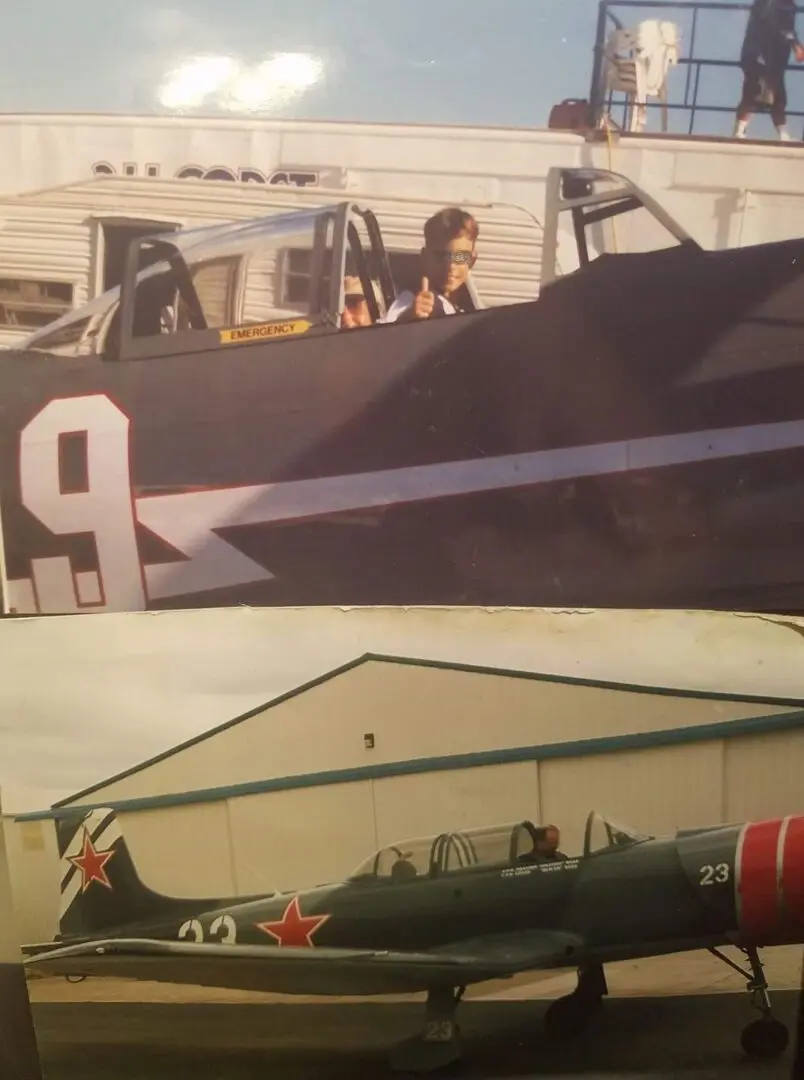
[552,839]
[447,258]
[356,310]
[545,846]
[403,869]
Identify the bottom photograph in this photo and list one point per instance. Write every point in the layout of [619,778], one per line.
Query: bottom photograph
[373,842]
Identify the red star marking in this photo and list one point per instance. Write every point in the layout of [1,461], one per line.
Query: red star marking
[91,863]
[294,928]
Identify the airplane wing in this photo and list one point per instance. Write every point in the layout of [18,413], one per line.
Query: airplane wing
[315,971]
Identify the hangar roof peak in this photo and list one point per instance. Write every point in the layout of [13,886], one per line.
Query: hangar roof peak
[409,661]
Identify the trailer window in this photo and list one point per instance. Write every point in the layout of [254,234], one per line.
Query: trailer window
[295,280]
[31,304]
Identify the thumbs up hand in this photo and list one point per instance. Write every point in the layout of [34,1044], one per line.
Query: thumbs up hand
[424,302]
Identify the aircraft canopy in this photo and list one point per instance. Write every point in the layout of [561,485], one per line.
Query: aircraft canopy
[605,834]
[431,856]
[493,845]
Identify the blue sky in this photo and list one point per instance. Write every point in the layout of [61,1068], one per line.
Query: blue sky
[455,61]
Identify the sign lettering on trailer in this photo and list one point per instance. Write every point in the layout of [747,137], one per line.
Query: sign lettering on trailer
[244,174]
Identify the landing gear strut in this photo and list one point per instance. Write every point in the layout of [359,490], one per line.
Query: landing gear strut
[568,1017]
[438,1045]
[766,1037]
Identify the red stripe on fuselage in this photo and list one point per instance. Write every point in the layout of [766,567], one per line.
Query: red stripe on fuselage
[759,882]
[792,873]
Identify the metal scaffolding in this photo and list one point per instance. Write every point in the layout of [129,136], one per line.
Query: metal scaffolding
[693,106]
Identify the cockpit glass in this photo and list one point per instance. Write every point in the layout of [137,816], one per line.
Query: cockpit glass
[235,274]
[447,853]
[250,273]
[606,834]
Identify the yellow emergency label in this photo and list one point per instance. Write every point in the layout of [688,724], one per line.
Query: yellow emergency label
[263,331]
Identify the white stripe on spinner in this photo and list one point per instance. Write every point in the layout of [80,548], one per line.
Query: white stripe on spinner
[780,903]
[738,875]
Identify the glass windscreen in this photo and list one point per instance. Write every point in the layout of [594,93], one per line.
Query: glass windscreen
[606,834]
[260,272]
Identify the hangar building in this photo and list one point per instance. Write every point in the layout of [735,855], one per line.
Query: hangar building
[300,790]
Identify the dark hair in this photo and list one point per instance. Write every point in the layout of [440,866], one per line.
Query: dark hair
[448,224]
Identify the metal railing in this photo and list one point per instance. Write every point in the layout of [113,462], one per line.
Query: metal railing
[603,101]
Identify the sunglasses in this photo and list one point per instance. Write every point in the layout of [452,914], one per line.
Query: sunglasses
[461,258]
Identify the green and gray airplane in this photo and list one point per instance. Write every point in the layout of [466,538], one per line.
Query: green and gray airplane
[437,914]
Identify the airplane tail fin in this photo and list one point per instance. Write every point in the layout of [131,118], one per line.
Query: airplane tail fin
[100,887]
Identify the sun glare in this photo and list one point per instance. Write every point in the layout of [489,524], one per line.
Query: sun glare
[229,84]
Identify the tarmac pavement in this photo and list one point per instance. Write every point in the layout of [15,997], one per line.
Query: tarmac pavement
[672,1017]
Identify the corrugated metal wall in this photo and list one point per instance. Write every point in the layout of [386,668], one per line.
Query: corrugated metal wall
[300,838]
[39,241]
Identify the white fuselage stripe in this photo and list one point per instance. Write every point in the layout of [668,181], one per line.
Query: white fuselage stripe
[780,904]
[187,521]
[264,503]
[738,877]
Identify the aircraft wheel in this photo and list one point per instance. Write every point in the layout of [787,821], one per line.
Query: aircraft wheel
[765,1038]
[570,1016]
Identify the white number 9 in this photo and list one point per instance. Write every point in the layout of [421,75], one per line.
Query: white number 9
[103,508]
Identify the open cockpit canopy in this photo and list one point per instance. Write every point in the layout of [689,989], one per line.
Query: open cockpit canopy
[604,834]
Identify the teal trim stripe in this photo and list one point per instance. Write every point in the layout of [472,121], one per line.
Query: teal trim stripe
[437,665]
[642,740]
